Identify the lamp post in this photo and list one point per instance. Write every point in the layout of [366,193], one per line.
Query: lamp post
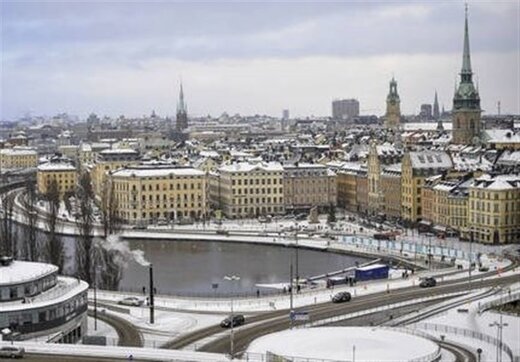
[152,292]
[231,278]
[95,298]
[500,325]
[296,256]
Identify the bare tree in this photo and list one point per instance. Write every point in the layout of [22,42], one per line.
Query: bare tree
[6,228]
[31,249]
[109,210]
[84,222]
[54,247]
[110,262]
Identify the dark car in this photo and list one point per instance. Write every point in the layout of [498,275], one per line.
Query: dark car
[238,320]
[341,297]
[428,283]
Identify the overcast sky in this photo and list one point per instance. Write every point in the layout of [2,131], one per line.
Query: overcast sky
[126,57]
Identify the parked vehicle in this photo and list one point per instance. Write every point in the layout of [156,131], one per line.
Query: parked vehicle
[12,352]
[483,268]
[428,283]
[238,320]
[131,301]
[341,297]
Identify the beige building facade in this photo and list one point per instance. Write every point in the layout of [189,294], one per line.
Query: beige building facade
[64,173]
[309,185]
[18,158]
[150,193]
[244,189]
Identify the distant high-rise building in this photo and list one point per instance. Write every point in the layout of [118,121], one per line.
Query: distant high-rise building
[182,113]
[436,114]
[466,101]
[345,108]
[393,108]
[426,111]
[285,114]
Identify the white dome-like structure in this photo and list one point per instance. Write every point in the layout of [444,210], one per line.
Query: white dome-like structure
[347,343]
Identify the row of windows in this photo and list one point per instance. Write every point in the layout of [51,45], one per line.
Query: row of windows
[257,200]
[257,191]
[255,182]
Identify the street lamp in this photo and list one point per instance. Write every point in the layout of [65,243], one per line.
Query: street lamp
[231,278]
[499,326]
[296,256]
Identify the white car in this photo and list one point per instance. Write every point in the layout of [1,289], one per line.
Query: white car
[131,301]
[11,352]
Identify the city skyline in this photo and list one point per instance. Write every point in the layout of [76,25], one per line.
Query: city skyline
[250,58]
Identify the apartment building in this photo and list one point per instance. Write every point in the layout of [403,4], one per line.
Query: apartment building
[308,185]
[63,172]
[148,193]
[18,158]
[417,166]
[245,190]
[494,203]
[110,160]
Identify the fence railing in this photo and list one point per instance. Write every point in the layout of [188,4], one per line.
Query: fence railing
[500,301]
[469,333]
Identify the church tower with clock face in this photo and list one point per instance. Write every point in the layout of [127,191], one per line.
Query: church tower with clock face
[393,109]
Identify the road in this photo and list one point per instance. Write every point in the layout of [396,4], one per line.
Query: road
[129,335]
[243,336]
[30,357]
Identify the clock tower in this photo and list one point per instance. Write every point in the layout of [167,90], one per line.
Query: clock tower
[393,109]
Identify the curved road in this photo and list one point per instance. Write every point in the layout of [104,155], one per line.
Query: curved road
[129,335]
[277,321]
[461,354]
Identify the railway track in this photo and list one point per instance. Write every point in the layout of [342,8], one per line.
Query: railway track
[461,353]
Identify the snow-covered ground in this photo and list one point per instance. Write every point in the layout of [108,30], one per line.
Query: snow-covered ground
[467,317]
[346,344]
[103,329]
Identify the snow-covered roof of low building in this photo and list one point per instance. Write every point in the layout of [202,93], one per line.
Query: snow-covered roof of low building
[157,172]
[56,166]
[19,272]
[508,157]
[119,151]
[430,159]
[19,151]
[501,136]
[247,167]
[499,182]
[425,126]
[336,344]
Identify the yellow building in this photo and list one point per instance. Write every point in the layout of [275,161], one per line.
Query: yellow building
[417,166]
[245,190]
[18,158]
[110,160]
[494,204]
[347,181]
[63,172]
[307,185]
[148,193]
[390,186]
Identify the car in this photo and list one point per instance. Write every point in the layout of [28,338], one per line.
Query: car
[428,283]
[131,301]
[483,268]
[341,297]
[238,320]
[139,227]
[12,352]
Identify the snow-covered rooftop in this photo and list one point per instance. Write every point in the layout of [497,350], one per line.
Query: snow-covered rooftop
[430,159]
[338,343]
[247,167]
[56,166]
[18,151]
[19,272]
[157,172]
